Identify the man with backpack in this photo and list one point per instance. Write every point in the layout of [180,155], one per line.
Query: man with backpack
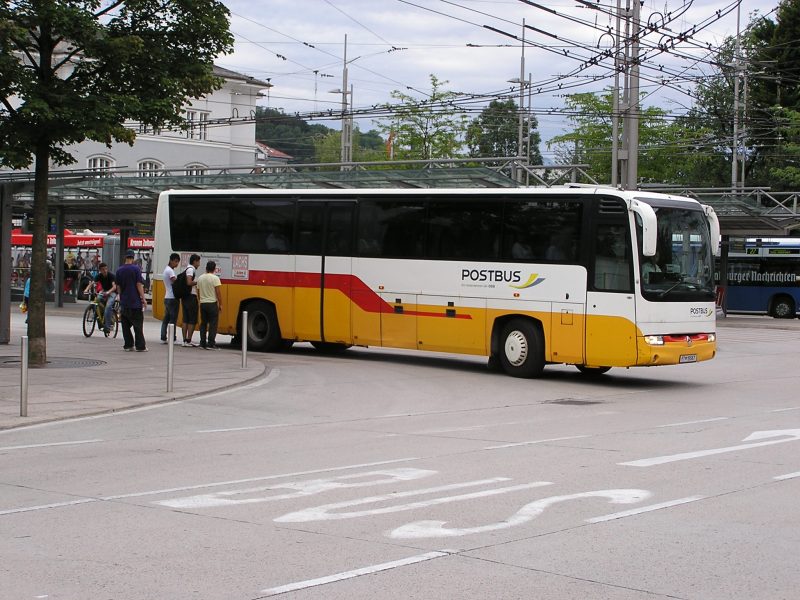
[189,300]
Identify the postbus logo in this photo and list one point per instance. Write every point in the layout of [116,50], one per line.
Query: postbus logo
[533,280]
[700,311]
[490,277]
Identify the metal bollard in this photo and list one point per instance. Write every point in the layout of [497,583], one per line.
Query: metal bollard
[23,378]
[170,355]
[244,339]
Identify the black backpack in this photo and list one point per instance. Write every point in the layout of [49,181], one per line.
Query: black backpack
[180,287]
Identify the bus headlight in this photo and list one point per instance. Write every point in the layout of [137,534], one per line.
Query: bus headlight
[654,340]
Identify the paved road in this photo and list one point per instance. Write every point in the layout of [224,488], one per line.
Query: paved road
[384,474]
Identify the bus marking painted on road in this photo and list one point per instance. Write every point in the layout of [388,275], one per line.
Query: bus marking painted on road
[786,435]
[204,486]
[429,529]
[308,583]
[644,509]
[322,513]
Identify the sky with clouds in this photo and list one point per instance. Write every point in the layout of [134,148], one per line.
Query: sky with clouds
[473,45]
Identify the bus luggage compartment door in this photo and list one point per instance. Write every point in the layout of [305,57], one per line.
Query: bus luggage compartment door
[452,324]
[610,329]
[399,320]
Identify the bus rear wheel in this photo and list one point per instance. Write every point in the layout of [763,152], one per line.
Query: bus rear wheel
[263,331]
[783,307]
[592,371]
[522,349]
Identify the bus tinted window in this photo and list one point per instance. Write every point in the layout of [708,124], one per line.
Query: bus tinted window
[220,224]
[464,230]
[392,229]
[543,230]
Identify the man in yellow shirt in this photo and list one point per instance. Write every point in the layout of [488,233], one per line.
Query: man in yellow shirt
[209,293]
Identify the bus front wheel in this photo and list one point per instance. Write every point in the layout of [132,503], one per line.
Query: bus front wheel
[263,332]
[522,350]
[783,307]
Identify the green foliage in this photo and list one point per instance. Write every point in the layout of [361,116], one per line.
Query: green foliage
[670,152]
[367,147]
[426,129]
[786,173]
[495,132]
[289,134]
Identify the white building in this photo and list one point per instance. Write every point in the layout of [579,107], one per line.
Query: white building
[221,134]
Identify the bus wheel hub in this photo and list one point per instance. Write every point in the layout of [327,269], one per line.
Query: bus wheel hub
[516,348]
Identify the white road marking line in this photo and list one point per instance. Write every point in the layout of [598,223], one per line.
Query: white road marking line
[514,445]
[202,486]
[242,428]
[300,585]
[644,509]
[45,506]
[48,445]
[322,513]
[468,428]
[785,409]
[785,435]
[694,422]
[787,476]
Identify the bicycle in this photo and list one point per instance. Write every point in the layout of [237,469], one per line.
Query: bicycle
[94,316]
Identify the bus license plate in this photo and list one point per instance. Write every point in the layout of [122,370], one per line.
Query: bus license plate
[687,358]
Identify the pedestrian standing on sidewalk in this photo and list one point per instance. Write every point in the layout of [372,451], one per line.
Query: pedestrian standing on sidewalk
[170,302]
[132,304]
[208,290]
[189,303]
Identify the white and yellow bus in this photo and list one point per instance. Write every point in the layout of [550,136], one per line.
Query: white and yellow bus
[588,276]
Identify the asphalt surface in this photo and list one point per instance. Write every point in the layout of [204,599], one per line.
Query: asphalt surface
[89,376]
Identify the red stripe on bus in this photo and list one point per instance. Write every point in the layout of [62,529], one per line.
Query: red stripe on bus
[350,285]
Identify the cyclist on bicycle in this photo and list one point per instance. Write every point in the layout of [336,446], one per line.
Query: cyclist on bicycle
[107,293]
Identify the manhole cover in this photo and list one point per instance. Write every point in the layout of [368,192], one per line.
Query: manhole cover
[54,362]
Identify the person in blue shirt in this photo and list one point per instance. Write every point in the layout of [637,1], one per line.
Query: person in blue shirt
[132,304]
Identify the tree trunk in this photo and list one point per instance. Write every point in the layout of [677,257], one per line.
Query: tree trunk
[37,342]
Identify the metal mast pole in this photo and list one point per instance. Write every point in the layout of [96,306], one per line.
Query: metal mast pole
[735,146]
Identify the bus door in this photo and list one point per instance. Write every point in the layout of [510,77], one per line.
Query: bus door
[610,299]
[323,268]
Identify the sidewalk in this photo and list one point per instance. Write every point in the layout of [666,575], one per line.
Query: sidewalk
[89,376]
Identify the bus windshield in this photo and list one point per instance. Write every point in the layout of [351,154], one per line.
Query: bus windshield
[681,269]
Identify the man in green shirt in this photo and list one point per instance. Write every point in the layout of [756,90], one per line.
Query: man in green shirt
[209,293]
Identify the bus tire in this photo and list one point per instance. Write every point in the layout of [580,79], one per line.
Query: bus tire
[783,307]
[522,349]
[263,331]
[592,371]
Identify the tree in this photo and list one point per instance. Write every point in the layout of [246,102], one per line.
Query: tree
[289,133]
[426,129]
[79,69]
[495,132]
[667,151]
[367,146]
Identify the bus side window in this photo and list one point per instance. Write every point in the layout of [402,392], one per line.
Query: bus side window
[612,268]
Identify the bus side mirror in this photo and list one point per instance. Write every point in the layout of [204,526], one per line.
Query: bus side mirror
[649,226]
[713,225]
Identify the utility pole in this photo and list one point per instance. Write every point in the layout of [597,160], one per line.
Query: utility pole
[632,118]
[520,136]
[347,123]
[735,146]
[615,102]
